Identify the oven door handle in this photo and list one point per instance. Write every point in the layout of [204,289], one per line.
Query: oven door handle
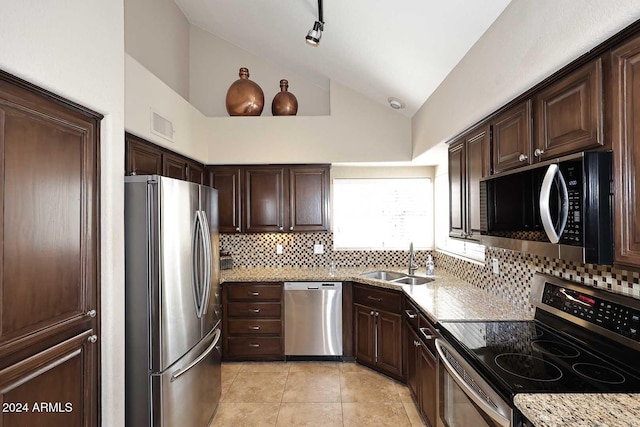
[471,393]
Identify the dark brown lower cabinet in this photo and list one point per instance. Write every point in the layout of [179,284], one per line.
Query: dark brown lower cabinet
[422,364]
[51,388]
[378,340]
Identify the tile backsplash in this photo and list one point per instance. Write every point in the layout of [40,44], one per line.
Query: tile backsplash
[513,283]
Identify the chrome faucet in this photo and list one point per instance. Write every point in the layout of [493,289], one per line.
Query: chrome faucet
[412,262]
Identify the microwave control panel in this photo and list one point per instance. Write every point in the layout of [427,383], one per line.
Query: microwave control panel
[572,234]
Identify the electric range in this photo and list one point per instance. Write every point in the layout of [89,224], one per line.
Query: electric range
[582,340]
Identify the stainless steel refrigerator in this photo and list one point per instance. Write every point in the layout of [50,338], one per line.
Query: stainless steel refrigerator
[172,302]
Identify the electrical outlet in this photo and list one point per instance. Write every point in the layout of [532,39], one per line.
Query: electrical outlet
[495,265]
[279,249]
[318,249]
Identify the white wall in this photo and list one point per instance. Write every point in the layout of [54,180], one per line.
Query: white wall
[157,35]
[214,65]
[75,49]
[146,93]
[527,43]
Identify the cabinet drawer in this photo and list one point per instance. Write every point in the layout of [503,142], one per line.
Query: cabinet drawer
[254,309]
[427,328]
[254,346]
[255,292]
[377,298]
[411,315]
[254,326]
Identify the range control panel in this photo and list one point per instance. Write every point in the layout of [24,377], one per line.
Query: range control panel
[614,317]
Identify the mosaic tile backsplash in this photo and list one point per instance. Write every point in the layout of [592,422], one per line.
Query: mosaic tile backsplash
[512,284]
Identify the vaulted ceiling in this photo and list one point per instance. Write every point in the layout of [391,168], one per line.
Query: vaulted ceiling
[400,48]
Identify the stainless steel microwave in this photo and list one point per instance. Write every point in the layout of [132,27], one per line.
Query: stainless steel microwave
[561,208]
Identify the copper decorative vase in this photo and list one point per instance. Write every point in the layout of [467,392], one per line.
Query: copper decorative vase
[244,97]
[284,103]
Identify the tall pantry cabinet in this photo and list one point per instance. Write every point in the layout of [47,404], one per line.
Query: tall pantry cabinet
[49,285]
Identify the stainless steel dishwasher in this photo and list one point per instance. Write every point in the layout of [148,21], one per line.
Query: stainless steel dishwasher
[313,318]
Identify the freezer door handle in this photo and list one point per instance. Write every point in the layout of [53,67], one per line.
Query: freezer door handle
[177,374]
[195,264]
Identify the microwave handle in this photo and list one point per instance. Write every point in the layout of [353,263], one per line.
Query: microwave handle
[545,195]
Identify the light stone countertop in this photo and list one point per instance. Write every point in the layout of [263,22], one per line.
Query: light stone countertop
[580,409]
[446,298]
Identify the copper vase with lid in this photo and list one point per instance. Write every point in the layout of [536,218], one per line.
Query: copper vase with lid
[284,103]
[244,97]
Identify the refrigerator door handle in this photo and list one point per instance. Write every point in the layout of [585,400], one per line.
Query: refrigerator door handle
[177,374]
[206,245]
[195,264]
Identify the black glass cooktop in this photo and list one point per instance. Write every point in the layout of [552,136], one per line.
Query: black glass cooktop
[529,357]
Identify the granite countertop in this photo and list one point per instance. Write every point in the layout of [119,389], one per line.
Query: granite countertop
[446,298]
[580,409]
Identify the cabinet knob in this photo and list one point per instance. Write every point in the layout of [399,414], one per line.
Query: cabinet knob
[91,313]
[523,157]
[281,228]
[92,339]
[133,173]
[417,343]
[372,313]
[238,229]
[291,228]
[538,152]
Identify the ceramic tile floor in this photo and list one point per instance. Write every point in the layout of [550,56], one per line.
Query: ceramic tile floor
[311,394]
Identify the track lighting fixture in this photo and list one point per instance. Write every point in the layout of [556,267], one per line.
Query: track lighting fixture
[315,34]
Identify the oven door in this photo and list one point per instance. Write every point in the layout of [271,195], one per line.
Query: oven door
[466,400]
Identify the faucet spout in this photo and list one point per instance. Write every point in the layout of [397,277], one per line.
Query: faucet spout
[412,262]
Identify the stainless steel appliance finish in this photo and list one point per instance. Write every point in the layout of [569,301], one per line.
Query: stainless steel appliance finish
[466,399]
[313,318]
[561,208]
[172,302]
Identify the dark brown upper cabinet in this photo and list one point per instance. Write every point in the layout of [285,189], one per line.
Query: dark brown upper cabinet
[512,137]
[141,157]
[49,257]
[626,149]
[174,166]
[569,114]
[269,198]
[227,180]
[469,161]
[264,199]
[308,198]
[196,173]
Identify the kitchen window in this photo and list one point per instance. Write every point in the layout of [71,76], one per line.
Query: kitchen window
[382,213]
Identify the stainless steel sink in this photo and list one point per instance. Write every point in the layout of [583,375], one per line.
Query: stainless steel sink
[413,280]
[396,277]
[387,276]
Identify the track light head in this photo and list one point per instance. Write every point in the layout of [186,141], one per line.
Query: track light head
[315,34]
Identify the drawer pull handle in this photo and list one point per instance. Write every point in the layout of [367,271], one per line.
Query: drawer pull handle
[426,334]
[254,310]
[254,345]
[254,328]
[374,298]
[255,294]
[410,315]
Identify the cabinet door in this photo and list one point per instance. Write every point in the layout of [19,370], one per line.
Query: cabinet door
[195,173]
[389,341]
[227,181]
[457,190]
[512,138]
[174,166]
[412,361]
[142,158]
[56,387]
[478,166]
[569,114]
[264,199]
[427,383]
[309,198]
[364,328]
[626,148]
